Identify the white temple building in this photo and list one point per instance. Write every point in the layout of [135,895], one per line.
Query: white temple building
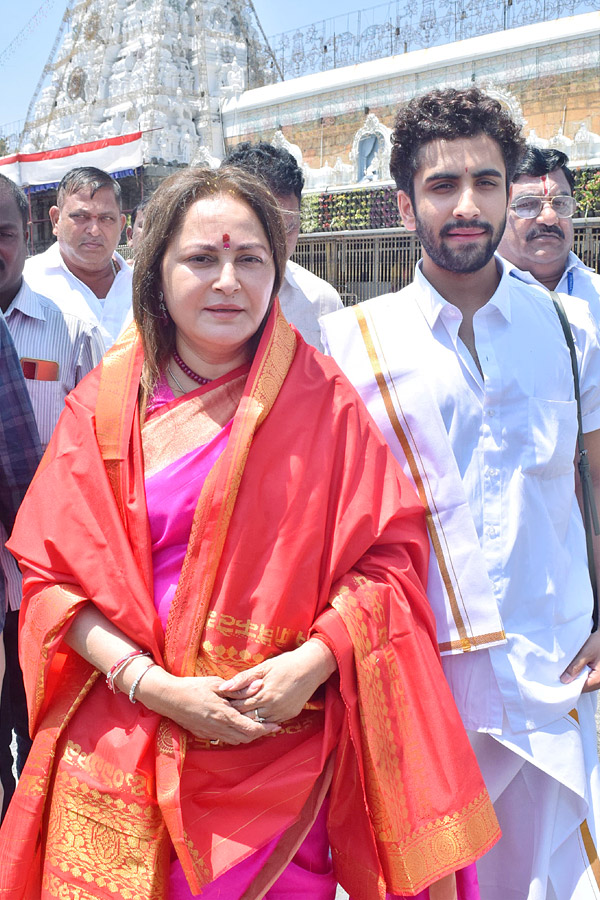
[162,67]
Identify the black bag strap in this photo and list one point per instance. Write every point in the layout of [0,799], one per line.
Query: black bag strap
[590,513]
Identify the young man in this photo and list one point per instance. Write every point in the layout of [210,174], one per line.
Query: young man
[303,296]
[82,272]
[468,374]
[539,231]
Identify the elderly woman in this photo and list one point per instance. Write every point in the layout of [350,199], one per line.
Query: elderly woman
[228,652]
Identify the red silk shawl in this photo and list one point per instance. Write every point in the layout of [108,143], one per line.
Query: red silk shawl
[305,525]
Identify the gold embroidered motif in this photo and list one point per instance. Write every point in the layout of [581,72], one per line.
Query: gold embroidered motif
[97,838]
[105,773]
[445,844]
[277,637]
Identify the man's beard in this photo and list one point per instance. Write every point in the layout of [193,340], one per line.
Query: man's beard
[461,260]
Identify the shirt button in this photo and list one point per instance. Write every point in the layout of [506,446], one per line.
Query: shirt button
[493,473]
[491,531]
[491,412]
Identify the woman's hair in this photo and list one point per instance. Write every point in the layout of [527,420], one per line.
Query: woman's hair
[164,217]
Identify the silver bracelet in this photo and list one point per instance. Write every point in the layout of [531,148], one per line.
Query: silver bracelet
[120,665]
[135,684]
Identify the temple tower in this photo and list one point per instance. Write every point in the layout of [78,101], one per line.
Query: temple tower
[159,66]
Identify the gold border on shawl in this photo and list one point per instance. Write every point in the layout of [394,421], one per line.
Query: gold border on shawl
[411,857]
[465,642]
[113,405]
[443,846]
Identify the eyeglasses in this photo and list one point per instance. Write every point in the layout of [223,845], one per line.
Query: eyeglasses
[530,206]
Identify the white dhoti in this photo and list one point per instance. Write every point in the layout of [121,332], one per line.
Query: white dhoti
[546,798]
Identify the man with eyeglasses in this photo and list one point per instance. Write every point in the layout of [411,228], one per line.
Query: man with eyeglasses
[539,229]
[304,297]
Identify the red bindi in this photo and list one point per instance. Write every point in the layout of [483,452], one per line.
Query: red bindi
[225,242]
[544,181]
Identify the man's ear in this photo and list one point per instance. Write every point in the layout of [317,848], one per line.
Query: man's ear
[407,213]
[129,233]
[54,214]
[123,220]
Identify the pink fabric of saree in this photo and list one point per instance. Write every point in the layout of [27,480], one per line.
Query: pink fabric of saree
[174,479]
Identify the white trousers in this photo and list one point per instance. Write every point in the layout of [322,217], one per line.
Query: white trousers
[548,846]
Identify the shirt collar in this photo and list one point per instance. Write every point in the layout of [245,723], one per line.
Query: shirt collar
[573,262]
[434,306]
[54,259]
[27,302]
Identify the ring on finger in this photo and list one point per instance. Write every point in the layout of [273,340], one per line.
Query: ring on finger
[258,716]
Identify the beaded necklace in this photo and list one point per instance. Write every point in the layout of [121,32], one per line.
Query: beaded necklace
[189,372]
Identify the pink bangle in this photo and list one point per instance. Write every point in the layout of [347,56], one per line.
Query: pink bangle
[120,665]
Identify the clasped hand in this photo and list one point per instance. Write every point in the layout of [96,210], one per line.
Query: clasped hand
[252,703]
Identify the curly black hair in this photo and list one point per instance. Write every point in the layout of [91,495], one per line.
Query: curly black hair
[450,114]
[276,166]
[538,162]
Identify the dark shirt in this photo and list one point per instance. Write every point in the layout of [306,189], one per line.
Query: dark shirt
[20,449]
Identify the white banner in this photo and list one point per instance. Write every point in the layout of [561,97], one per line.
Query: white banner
[48,167]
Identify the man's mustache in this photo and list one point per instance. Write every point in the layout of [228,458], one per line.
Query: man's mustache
[538,230]
[478,225]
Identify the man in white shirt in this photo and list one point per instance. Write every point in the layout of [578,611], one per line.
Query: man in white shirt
[82,272]
[55,349]
[538,238]
[304,297]
[468,374]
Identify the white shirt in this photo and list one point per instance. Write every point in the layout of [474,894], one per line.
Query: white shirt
[304,298]
[577,279]
[42,331]
[48,274]
[513,434]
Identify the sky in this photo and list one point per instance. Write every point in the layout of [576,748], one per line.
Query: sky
[30,28]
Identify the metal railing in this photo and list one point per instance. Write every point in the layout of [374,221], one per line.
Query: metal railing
[363,264]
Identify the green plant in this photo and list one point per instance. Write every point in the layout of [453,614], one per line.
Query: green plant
[587,192]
